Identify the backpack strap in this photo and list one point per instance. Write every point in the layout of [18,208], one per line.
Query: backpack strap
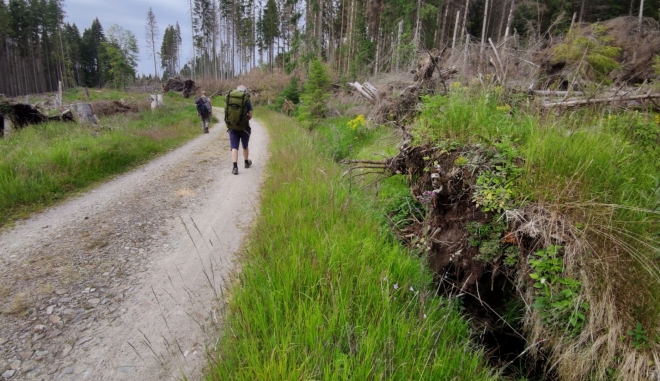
[227,107]
[244,106]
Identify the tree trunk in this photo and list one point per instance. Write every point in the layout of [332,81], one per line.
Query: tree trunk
[483,33]
[509,21]
[418,25]
[453,42]
[467,54]
[591,101]
[502,18]
[377,55]
[641,14]
[572,21]
[444,26]
[467,8]
[398,43]
[192,36]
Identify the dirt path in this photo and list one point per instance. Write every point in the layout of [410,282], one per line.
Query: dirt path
[122,283]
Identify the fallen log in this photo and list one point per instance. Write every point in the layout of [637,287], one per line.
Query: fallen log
[372,90]
[357,86]
[585,102]
[556,93]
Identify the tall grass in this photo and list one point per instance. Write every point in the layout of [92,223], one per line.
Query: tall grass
[43,163]
[324,295]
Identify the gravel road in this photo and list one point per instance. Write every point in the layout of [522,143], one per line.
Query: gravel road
[127,281]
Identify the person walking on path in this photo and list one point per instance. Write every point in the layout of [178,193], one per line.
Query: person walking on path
[204,111]
[238,112]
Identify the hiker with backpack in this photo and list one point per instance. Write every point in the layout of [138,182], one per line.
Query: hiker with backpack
[204,111]
[238,112]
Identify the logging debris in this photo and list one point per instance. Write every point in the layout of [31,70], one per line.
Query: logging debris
[400,102]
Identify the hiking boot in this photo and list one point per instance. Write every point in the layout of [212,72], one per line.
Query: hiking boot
[206,131]
[234,170]
[248,164]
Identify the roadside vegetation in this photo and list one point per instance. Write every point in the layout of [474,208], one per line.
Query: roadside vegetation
[324,291]
[42,164]
[540,228]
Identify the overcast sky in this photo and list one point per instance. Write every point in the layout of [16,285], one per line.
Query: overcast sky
[132,15]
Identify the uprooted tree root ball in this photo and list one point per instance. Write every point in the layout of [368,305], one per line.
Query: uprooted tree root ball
[22,115]
[529,278]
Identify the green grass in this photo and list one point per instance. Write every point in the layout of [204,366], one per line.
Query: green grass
[578,156]
[42,164]
[324,295]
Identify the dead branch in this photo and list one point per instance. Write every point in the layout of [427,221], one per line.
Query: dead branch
[501,73]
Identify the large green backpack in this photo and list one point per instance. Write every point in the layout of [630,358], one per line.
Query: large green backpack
[236,109]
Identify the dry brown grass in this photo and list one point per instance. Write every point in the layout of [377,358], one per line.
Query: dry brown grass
[4,291]
[263,86]
[18,305]
[593,260]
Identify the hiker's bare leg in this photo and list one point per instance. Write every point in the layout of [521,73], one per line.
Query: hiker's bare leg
[246,152]
[234,155]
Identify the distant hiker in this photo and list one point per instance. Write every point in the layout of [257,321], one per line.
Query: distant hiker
[238,112]
[204,111]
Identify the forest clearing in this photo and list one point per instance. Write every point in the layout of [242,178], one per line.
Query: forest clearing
[454,189]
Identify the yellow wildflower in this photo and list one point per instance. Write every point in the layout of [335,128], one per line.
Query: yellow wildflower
[356,123]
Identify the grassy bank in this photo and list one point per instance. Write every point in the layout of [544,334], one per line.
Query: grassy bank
[324,294]
[42,164]
[584,181]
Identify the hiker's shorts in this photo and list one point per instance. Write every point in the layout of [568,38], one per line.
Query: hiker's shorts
[235,136]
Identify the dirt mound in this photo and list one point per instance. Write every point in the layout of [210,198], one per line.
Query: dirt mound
[106,108]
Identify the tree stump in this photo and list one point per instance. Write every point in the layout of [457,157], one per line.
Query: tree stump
[6,125]
[84,113]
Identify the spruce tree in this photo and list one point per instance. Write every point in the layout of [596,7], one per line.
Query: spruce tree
[315,95]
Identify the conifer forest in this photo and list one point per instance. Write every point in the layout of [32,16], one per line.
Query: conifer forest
[355,37]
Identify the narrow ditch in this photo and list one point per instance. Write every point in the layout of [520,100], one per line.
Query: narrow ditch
[476,259]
